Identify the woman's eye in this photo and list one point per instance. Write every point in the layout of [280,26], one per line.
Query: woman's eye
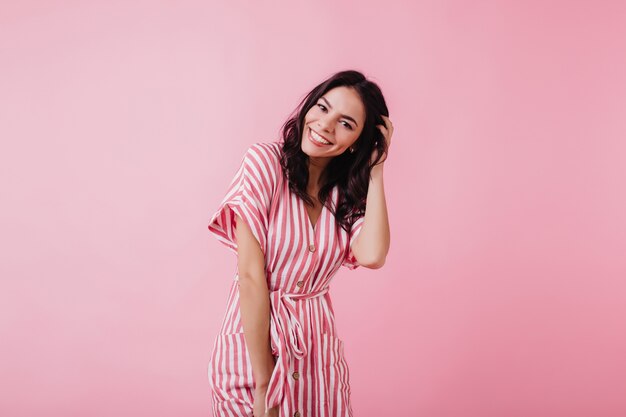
[323,108]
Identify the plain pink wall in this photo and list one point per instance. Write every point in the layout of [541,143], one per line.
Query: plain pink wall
[122,123]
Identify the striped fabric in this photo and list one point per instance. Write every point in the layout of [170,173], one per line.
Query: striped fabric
[311,377]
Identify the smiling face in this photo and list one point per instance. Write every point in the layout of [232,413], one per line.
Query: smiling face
[333,124]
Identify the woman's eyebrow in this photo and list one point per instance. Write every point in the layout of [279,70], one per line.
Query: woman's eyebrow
[345,116]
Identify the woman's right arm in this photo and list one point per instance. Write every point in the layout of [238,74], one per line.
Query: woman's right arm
[254,304]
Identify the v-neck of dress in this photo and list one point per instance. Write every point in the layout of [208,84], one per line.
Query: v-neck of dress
[314,227]
[308,217]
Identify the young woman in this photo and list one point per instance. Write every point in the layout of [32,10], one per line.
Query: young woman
[294,213]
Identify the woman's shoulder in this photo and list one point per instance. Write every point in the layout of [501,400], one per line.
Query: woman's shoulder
[263,158]
[269,151]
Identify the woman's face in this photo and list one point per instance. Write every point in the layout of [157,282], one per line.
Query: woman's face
[333,124]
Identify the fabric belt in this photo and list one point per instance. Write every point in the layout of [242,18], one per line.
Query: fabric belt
[287,335]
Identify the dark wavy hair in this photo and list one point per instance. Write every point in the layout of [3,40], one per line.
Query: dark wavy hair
[349,171]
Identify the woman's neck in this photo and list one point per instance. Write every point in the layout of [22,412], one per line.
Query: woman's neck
[316,172]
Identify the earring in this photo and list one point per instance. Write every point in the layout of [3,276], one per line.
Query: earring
[351,149]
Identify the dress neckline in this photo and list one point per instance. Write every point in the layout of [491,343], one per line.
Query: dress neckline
[323,212]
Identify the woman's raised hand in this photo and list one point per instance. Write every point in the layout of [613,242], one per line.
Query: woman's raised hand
[387,131]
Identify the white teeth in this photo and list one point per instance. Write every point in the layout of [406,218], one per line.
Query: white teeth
[318,138]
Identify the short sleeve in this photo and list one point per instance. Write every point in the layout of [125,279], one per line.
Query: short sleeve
[249,196]
[350,261]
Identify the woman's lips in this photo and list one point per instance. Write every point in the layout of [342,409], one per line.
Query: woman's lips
[313,141]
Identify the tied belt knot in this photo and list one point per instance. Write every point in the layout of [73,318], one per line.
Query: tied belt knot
[287,336]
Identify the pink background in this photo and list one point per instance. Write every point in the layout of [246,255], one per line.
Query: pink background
[122,123]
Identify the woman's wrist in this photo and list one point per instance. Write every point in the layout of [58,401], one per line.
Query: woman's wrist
[377,171]
[262,382]
[261,386]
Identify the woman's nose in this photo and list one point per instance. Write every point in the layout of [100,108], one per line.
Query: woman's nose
[324,123]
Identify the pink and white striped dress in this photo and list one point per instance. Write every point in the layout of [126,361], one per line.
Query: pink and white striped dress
[311,377]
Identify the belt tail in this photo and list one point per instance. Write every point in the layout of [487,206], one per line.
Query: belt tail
[276,386]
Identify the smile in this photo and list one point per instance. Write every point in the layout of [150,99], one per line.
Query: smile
[317,139]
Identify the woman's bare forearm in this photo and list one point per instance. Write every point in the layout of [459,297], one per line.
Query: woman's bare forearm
[254,304]
[372,244]
[255,317]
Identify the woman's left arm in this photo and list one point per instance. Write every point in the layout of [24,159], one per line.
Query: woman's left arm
[371,246]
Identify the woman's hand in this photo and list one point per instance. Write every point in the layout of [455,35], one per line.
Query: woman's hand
[387,131]
[259,404]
